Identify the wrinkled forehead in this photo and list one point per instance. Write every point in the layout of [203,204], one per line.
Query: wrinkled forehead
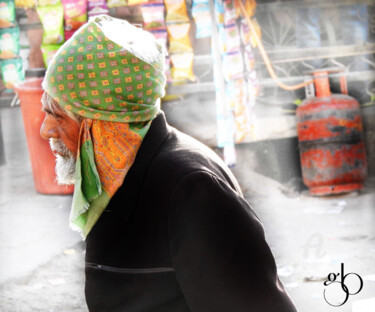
[50,105]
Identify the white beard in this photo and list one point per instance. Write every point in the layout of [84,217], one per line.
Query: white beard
[65,165]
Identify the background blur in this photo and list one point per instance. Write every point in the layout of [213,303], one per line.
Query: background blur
[254,129]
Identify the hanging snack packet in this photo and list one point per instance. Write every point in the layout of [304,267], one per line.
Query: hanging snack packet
[179,40]
[48,2]
[176,11]
[235,92]
[161,36]
[7,13]
[9,42]
[230,12]
[250,6]
[246,35]
[49,50]
[135,2]
[153,16]
[202,18]
[52,18]
[249,59]
[232,38]
[233,66]
[11,72]
[219,11]
[116,3]
[26,4]
[74,14]
[97,7]
[182,67]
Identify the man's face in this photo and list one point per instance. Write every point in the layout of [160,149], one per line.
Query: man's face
[63,134]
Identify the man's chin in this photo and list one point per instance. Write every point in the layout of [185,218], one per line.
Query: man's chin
[65,170]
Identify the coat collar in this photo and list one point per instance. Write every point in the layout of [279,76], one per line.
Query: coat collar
[127,195]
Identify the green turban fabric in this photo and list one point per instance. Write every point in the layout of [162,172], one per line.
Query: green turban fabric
[115,89]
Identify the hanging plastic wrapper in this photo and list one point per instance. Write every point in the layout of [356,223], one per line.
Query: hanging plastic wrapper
[182,67]
[246,35]
[9,42]
[97,7]
[153,16]
[232,38]
[161,36]
[48,2]
[230,12]
[202,18]
[219,12]
[179,40]
[7,13]
[74,15]
[136,2]
[12,72]
[176,11]
[48,51]
[233,66]
[116,3]
[26,4]
[52,18]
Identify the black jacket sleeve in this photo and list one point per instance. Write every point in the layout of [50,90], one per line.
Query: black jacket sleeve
[219,253]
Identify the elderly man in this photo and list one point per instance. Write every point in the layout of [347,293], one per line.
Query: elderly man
[166,225]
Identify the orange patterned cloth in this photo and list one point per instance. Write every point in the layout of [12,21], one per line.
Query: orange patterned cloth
[116,93]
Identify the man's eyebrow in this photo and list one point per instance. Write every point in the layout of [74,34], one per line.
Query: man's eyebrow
[48,111]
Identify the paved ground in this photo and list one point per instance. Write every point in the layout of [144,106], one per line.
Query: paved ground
[41,259]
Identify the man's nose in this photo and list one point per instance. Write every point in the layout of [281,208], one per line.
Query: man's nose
[47,130]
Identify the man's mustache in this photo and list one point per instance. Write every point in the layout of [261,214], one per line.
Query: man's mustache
[59,148]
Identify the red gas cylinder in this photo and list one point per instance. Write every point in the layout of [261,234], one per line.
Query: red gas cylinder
[330,135]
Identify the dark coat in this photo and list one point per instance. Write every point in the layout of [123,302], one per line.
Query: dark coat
[178,236]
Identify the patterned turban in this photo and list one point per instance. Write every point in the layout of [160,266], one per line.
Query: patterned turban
[116,91]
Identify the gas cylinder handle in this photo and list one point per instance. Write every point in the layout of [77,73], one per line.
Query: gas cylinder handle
[322,84]
[342,75]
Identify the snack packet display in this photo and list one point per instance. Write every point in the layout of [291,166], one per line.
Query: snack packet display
[49,50]
[116,3]
[26,4]
[176,11]
[52,18]
[7,13]
[179,40]
[11,72]
[153,16]
[97,7]
[202,18]
[74,14]
[182,67]
[233,66]
[9,42]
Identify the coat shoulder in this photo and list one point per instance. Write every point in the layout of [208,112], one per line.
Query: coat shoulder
[181,155]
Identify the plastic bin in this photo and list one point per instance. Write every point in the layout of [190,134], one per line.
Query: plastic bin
[42,159]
